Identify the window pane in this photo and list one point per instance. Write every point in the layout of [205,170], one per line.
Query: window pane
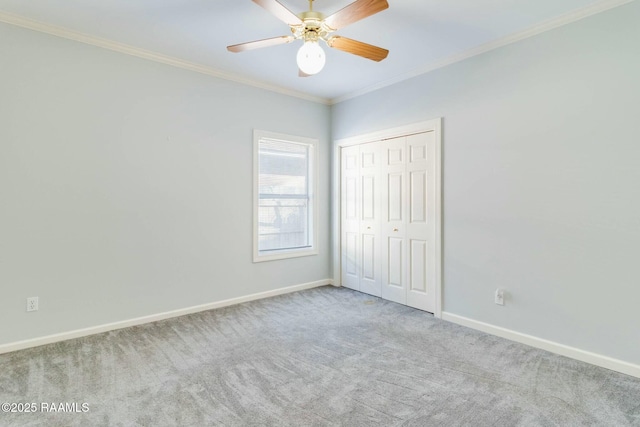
[283,224]
[283,168]
[283,205]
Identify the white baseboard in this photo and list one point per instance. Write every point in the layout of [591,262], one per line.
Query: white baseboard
[553,347]
[35,342]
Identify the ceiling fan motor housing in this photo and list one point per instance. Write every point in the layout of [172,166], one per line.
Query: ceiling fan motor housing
[312,28]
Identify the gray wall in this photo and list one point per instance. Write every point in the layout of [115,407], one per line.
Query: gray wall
[125,186]
[541,179]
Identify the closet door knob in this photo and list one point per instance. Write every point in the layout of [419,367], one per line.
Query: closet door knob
[395,229]
[368,228]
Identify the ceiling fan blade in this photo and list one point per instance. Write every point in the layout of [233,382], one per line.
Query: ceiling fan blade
[282,13]
[302,73]
[356,11]
[355,47]
[260,43]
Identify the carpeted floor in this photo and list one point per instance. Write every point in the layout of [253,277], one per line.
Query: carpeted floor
[326,356]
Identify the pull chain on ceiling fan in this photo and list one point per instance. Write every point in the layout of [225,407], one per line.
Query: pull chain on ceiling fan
[312,26]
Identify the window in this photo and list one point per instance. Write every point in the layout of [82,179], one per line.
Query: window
[284,196]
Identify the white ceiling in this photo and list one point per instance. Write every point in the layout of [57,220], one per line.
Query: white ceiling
[418,33]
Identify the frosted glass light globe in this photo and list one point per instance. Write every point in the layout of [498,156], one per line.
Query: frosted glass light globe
[311,58]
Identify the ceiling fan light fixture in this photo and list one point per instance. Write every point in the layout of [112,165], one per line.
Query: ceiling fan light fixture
[311,58]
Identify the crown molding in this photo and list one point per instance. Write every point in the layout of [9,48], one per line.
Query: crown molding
[53,30]
[568,18]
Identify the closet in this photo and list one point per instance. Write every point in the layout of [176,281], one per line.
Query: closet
[387,213]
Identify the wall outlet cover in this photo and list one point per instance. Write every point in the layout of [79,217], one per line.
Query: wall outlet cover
[32,304]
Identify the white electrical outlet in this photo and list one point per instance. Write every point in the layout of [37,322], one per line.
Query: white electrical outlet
[32,304]
[499,297]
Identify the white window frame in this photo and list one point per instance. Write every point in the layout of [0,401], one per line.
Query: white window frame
[260,256]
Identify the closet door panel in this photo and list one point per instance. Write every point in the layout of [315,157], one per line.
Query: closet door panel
[418,196]
[370,277]
[350,265]
[395,196]
[351,198]
[420,226]
[350,217]
[418,265]
[395,262]
[368,198]
[394,190]
[368,257]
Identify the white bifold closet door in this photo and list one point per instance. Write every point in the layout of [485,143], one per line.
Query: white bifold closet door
[388,219]
[361,218]
[408,226]
[350,217]
[370,160]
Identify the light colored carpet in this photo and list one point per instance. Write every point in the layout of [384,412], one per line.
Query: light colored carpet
[327,356]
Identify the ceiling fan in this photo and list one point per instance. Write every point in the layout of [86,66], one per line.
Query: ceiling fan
[312,26]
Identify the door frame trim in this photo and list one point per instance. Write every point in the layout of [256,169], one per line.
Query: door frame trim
[434,125]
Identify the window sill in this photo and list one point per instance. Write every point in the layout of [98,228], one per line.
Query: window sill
[270,256]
